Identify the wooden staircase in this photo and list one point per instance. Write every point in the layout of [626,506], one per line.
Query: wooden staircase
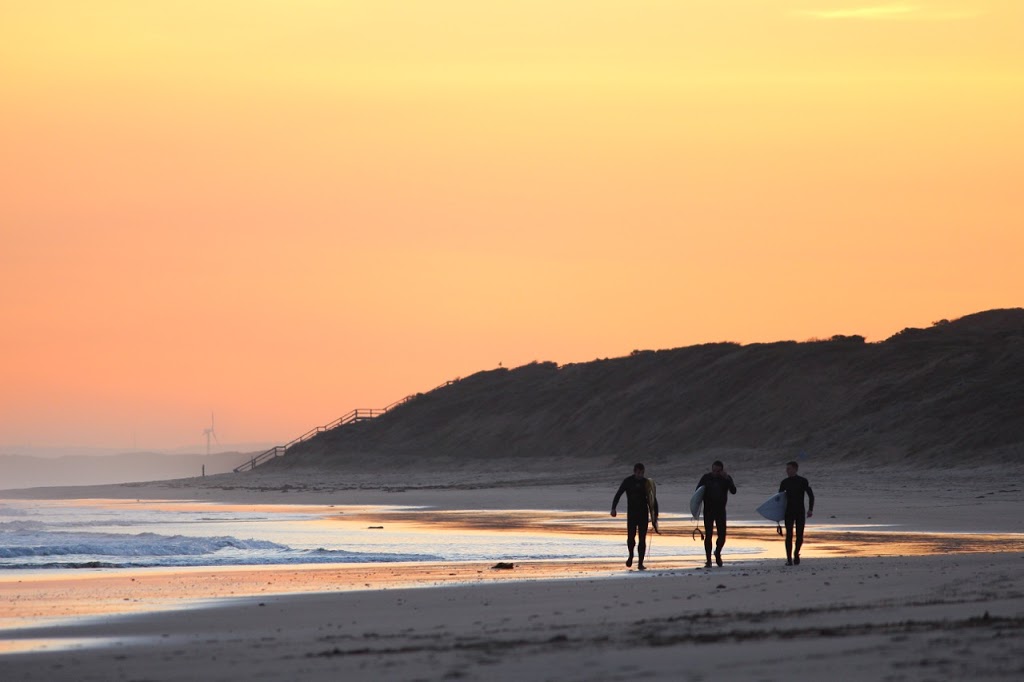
[353,417]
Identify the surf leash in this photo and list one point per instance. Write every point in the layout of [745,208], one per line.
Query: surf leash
[696,529]
[778,528]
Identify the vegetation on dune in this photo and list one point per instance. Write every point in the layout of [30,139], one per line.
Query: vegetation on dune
[955,389]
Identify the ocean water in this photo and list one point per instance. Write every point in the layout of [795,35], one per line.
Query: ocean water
[39,535]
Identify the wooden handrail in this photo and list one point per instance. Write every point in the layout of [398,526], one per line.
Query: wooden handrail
[351,417]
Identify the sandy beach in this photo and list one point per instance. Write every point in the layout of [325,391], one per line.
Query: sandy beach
[901,580]
[332,329]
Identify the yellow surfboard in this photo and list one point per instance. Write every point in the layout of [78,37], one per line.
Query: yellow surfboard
[652,503]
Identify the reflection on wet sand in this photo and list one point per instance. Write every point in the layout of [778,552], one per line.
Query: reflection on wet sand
[33,598]
[39,598]
[751,540]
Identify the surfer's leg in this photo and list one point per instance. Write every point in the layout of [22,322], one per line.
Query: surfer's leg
[642,527]
[630,538]
[720,542]
[709,524]
[800,520]
[789,539]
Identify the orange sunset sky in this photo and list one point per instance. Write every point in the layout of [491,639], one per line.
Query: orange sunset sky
[283,210]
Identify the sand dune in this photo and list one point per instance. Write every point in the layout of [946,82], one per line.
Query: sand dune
[934,396]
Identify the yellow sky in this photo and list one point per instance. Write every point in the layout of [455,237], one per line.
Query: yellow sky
[284,210]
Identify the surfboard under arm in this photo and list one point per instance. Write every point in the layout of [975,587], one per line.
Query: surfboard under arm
[652,503]
[774,508]
[696,501]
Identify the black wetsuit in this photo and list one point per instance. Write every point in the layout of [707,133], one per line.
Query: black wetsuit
[795,487]
[637,514]
[716,496]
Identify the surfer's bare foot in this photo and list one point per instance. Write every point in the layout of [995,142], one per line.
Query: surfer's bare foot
[641,567]
[789,562]
[629,562]
[718,558]
[708,564]
[796,560]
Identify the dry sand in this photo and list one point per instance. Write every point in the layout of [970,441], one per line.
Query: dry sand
[908,607]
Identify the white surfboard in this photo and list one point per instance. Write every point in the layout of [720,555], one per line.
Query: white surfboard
[774,508]
[696,502]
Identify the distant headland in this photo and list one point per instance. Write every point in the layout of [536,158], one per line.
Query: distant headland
[953,392]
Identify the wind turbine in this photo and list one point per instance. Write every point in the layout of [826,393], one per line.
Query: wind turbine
[208,433]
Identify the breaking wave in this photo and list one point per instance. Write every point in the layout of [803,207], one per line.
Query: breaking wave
[27,548]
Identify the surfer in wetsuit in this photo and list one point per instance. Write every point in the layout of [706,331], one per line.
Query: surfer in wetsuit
[638,512]
[717,486]
[795,486]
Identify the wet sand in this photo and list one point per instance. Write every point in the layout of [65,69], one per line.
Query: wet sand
[882,602]
[39,596]
[899,618]
[31,597]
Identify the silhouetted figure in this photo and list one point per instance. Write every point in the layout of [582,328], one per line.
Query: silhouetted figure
[717,486]
[640,504]
[795,487]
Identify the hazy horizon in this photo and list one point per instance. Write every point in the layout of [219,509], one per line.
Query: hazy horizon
[28,471]
[50,452]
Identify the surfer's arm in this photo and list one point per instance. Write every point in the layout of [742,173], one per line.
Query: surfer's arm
[618,496]
[732,486]
[810,500]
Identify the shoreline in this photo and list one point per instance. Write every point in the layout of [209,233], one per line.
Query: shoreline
[965,499]
[64,594]
[888,611]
